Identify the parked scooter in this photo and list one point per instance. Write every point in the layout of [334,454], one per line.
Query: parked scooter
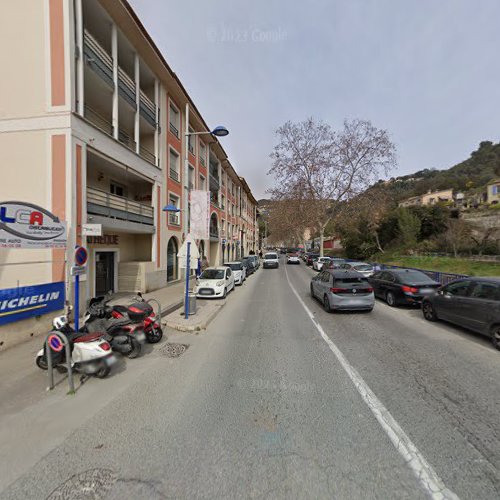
[125,335]
[90,353]
[140,308]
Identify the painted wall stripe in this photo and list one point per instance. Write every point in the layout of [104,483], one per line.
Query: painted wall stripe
[57,83]
[58,145]
[431,483]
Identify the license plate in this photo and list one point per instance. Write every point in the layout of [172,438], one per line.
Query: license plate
[110,360]
[205,292]
[426,290]
[141,337]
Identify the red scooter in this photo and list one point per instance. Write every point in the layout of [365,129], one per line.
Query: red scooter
[141,310]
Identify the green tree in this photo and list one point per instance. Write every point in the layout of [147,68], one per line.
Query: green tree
[409,225]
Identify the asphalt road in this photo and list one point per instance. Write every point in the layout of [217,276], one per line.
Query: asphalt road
[262,405]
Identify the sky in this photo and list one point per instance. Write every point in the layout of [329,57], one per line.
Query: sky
[425,70]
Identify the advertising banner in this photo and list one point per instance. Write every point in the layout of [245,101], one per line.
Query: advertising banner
[200,215]
[24,225]
[27,301]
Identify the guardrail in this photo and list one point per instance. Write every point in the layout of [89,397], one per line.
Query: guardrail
[440,277]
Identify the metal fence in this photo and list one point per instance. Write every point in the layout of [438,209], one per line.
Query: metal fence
[440,277]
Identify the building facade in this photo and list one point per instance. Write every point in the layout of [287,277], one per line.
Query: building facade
[92,128]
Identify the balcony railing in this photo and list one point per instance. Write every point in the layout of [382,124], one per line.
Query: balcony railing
[126,87]
[97,58]
[214,232]
[174,175]
[214,183]
[174,129]
[117,207]
[174,219]
[98,120]
[125,139]
[202,159]
[147,155]
[191,148]
[147,109]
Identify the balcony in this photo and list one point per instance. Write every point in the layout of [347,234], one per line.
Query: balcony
[97,59]
[147,155]
[214,183]
[126,88]
[117,207]
[98,120]
[214,232]
[125,139]
[174,129]
[147,109]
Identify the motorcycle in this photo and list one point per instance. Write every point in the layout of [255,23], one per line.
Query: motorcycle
[126,335]
[141,309]
[90,353]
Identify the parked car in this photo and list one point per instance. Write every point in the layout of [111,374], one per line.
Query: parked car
[255,260]
[342,290]
[310,257]
[473,303]
[292,258]
[271,259]
[320,262]
[249,265]
[239,271]
[402,286]
[215,282]
[361,267]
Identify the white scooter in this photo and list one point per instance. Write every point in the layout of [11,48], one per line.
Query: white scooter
[90,353]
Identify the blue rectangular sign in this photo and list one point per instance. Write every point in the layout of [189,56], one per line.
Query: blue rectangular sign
[27,301]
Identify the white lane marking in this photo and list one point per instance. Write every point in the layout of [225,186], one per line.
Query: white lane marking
[427,477]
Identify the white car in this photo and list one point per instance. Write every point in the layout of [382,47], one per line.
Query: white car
[292,258]
[271,259]
[360,267]
[239,271]
[318,263]
[215,282]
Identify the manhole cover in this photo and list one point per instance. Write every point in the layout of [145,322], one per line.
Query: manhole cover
[92,484]
[174,350]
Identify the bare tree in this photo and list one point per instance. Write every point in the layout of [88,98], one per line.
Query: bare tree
[458,235]
[326,167]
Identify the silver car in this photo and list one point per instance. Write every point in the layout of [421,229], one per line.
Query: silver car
[342,290]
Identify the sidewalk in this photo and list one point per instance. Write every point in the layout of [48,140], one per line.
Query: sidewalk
[170,297]
[206,310]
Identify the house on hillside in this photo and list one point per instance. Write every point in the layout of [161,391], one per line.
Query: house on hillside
[414,201]
[493,192]
[434,197]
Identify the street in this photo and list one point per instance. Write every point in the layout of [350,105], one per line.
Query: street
[261,406]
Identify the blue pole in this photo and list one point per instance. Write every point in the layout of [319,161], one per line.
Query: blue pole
[186,300]
[77,301]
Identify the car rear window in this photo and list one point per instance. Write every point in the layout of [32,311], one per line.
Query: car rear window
[363,267]
[234,267]
[414,276]
[350,281]
[270,256]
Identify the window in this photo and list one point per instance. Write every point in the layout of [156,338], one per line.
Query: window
[191,141]
[325,276]
[117,189]
[203,153]
[174,166]
[175,120]
[191,177]
[223,179]
[458,288]
[486,291]
[173,217]
[202,183]
[223,200]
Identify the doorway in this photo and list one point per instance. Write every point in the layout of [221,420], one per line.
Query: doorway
[104,272]
[172,251]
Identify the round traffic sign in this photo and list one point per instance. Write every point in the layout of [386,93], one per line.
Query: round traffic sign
[81,256]
[55,343]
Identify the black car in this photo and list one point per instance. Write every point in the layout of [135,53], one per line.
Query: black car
[402,286]
[249,264]
[473,303]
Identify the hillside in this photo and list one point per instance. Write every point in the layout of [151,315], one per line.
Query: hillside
[482,166]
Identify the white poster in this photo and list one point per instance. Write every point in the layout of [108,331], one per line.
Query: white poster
[24,225]
[200,215]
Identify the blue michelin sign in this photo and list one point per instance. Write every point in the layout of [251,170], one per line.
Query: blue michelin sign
[27,301]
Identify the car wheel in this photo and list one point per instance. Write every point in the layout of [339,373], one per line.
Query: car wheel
[225,293]
[429,312]
[495,336]
[312,291]
[326,304]
[390,298]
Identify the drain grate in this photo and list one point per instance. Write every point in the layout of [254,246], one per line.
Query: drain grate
[92,484]
[174,350]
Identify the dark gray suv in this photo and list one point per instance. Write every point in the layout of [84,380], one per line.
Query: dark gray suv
[473,303]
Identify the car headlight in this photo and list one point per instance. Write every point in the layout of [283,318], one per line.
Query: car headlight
[219,283]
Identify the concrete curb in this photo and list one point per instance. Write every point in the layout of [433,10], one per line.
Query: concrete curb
[199,325]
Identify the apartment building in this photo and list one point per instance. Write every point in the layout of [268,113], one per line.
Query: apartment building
[92,128]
